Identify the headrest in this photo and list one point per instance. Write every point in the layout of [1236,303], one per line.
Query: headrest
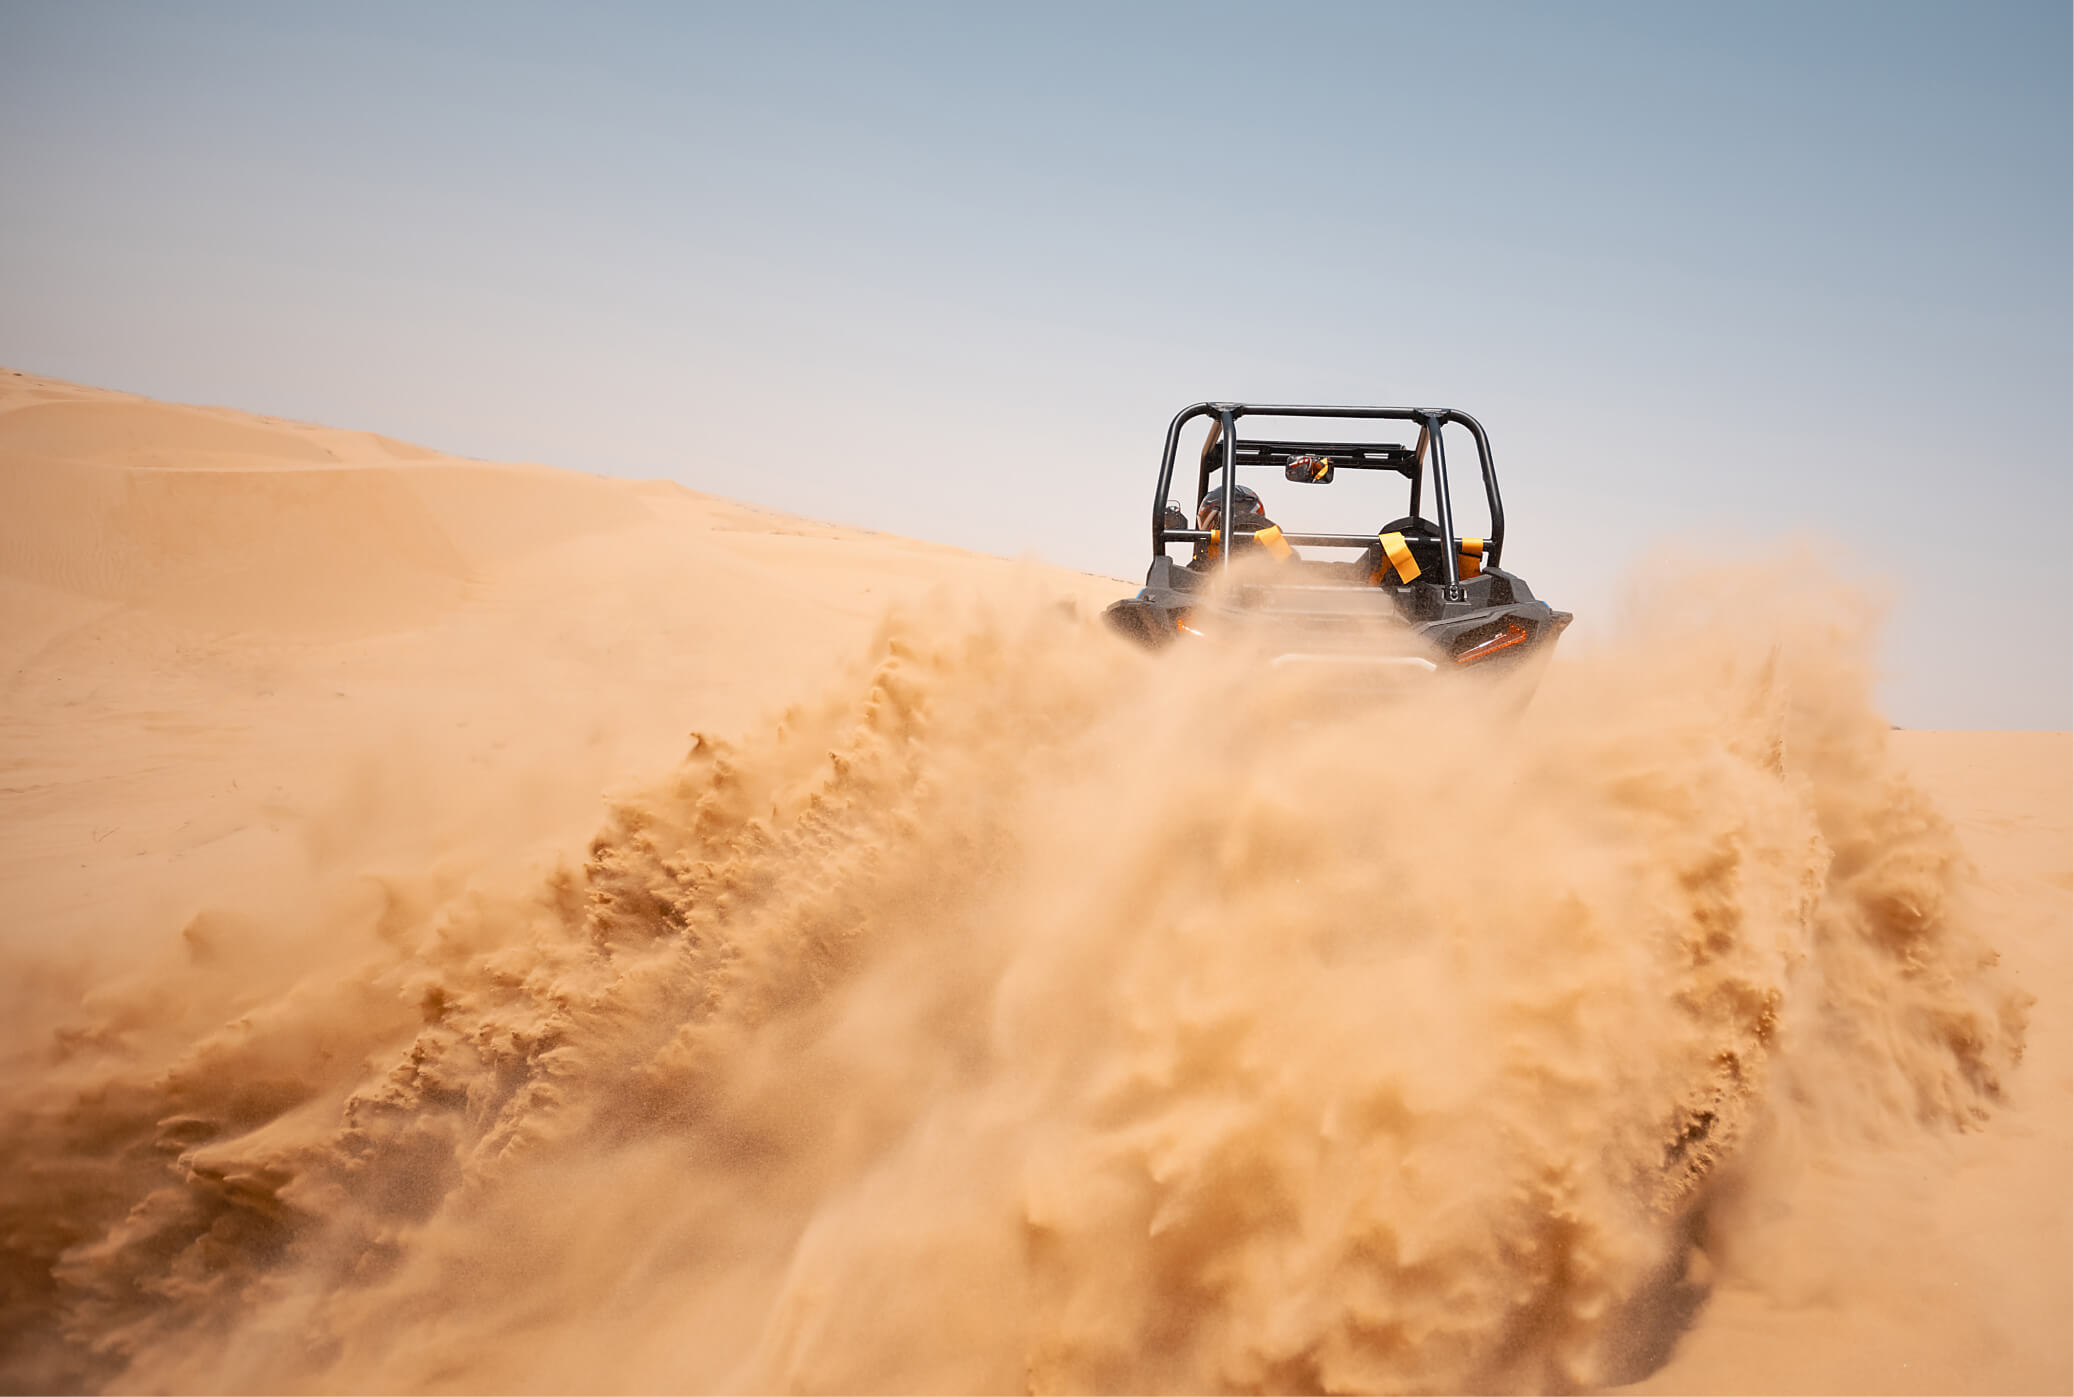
[1412,526]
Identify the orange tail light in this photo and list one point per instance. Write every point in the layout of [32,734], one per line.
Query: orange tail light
[1513,634]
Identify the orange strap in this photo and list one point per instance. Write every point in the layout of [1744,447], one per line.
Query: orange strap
[1471,557]
[1397,554]
[1269,538]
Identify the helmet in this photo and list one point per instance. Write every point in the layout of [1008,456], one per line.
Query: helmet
[1245,508]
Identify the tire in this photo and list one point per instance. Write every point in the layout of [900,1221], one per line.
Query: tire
[1141,622]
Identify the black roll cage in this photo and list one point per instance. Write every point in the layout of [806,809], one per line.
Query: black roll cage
[1350,456]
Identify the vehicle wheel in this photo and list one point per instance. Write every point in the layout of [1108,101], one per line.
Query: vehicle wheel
[1145,624]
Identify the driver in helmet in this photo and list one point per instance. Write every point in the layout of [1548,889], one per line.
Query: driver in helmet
[1251,528]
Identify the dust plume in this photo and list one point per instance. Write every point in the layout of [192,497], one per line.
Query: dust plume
[1027,1012]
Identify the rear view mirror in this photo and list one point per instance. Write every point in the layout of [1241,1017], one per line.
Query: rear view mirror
[1309,470]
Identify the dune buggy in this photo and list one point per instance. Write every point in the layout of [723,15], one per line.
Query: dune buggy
[1447,598]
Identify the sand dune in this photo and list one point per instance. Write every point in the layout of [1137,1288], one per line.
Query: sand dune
[385,617]
[401,996]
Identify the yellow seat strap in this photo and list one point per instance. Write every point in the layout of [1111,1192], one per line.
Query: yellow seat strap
[1471,557]
[1398,555]
[1271,539]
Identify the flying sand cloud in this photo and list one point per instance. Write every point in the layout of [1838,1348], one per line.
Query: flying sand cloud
[1023,1011]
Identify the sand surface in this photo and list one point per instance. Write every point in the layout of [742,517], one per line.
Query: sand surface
[391,1002]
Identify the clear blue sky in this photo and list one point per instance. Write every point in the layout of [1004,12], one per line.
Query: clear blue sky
[1712,272]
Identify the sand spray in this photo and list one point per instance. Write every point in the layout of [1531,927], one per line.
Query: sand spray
[1027,1012]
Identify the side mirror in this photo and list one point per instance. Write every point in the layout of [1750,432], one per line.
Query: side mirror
[1309,470]
[1174,518]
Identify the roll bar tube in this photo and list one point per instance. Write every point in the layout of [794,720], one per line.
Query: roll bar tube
[1441,498]
[1433,419]
[1230,423]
